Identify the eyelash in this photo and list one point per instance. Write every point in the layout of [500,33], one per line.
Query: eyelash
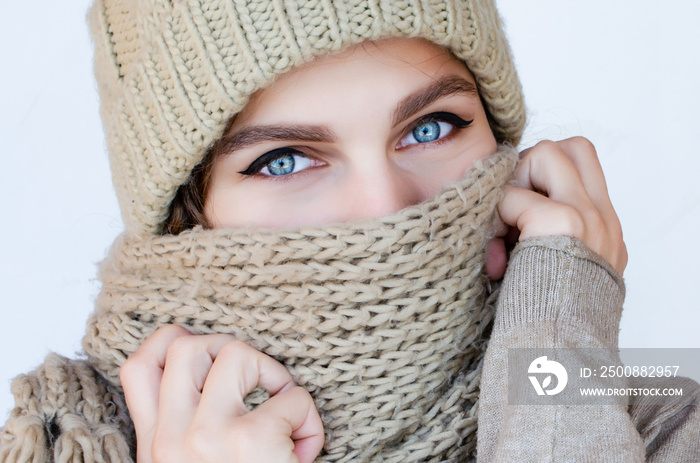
[262,162]
[266,159]
[440,117]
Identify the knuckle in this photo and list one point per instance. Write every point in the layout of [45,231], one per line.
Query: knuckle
[131,370]
[546,145]
[300,394]
[583,148]
[570,221]
[182,347]
[583,144]
[543,150]
[176,330]
[234,349]
[544,153]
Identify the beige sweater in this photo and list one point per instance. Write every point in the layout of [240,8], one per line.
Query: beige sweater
[556,293]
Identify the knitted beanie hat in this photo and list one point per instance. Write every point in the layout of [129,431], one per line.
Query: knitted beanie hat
[172,73]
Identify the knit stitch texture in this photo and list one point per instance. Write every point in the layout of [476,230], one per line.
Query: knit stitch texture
[66,412]
[172,74]
[382,321]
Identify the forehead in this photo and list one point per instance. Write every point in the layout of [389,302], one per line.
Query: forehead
[361,74]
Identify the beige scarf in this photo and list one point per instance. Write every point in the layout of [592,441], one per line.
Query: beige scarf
[383,321]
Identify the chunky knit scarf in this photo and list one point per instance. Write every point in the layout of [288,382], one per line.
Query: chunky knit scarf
[383,321]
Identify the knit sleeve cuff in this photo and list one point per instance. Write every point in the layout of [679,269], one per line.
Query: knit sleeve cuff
[557,283]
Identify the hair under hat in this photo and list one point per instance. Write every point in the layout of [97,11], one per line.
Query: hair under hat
[172,74]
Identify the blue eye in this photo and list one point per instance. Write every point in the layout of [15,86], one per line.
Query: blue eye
[283,165]
[286,164]
[433,127]
[426,132]
[280,162]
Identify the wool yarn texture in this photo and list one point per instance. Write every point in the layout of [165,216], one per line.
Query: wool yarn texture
[382,321]
[65,411]
[172,73]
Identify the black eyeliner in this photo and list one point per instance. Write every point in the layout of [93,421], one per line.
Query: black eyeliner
[257,165]
[442,116]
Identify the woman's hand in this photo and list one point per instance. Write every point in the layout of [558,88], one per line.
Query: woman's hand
[559,189]
[185,395]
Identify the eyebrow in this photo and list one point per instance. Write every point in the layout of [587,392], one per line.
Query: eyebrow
[248,136]
[411,104]
[448,85]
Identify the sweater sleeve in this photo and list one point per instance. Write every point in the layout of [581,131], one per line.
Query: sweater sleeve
[559,294]
[65,411]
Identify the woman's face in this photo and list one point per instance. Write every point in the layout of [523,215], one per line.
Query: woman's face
[361,134]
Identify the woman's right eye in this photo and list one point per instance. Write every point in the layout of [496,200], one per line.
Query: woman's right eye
[280,162]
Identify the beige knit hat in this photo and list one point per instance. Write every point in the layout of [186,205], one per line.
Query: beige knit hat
[172,73]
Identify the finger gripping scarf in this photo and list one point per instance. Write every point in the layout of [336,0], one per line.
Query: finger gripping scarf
[383,321]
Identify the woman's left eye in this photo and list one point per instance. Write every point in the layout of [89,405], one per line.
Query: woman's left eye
[431,128]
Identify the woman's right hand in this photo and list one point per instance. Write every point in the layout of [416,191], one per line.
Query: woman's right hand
[185,396]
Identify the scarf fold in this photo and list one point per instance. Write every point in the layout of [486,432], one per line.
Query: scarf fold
[383,321]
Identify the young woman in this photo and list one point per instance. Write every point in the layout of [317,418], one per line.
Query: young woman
[296,159]
[286,161]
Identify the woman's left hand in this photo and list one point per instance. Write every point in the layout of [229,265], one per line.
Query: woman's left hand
[559,189]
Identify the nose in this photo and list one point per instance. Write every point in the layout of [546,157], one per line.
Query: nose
[378,192]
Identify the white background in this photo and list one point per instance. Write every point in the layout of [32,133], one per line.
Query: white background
[623,73]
